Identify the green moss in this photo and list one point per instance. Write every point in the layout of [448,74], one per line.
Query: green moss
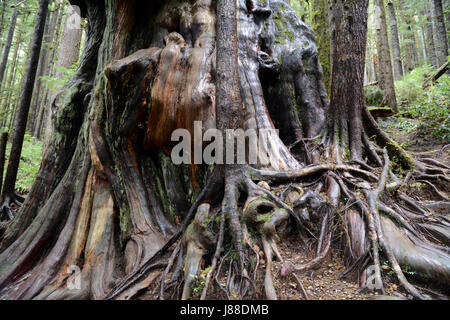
[282,33]
[320,25]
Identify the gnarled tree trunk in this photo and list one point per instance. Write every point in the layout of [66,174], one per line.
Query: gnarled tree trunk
[110,204]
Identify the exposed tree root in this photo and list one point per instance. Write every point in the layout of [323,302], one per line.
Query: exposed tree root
[263,213]
[337,180]
[5,208]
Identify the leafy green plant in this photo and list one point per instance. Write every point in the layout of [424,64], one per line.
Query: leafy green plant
[374,96]
[199,283]
[424,110]
[29,164]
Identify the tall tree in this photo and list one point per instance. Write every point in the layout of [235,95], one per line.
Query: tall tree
[6,103]
[2,21]
[113,201]
[20,123]
[386,74]
[69,52]
[9,40]
[50,71]
[440,32]
[395,42]
[430,47]
[42,67]
[349,55]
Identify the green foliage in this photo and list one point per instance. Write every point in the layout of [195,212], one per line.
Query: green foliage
[409,89]
[54,83]
[199,283]
[29,164]
[302,9]
[374,96]
[429,107]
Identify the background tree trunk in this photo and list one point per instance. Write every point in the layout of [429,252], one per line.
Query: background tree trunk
[24,105]
[440,32]
[2,22]
[386,73]
[395,42]
[69,53]
[43,61]
[6,103]
[8,43]
[430,47]
[50,71]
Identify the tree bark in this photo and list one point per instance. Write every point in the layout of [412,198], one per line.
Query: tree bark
[395,43]
[44,103]
[24,104]
[3,143]
[321,25]
[440,32]
[349,56]
[8,43]
[6,103]
[386,74]
[43,61]
[110,202]
[69,52]
[2,21]
[430,47]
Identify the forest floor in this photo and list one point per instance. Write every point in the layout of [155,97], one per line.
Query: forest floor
[325,283]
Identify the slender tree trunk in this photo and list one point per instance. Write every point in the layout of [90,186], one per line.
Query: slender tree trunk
[418,53]
[386,74]
[440,32]
[430,47]
[24,104]
[6,104]
[2,22]
[395,43]
[45,104]
[3,143]
[69,52]
[8,43]
[43,63]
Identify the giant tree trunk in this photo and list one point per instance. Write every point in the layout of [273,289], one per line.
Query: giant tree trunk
[110,204]
[384,54]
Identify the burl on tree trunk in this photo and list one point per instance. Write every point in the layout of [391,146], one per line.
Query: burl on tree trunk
[111,206]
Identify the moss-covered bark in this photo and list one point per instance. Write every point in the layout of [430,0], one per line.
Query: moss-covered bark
[321,26]
[108,200]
